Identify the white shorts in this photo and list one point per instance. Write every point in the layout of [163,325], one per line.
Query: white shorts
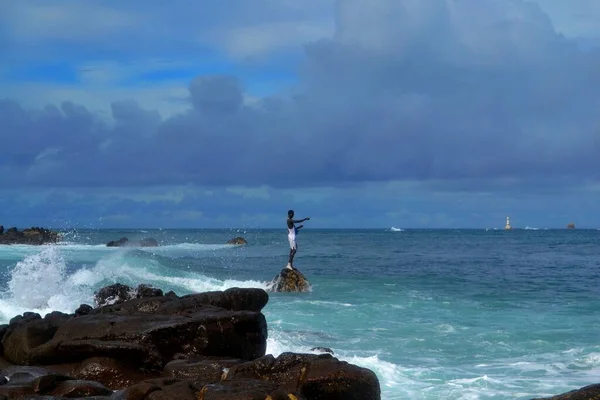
[292,241]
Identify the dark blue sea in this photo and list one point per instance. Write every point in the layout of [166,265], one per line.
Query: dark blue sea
[436,314]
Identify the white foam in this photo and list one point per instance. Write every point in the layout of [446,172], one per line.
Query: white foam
[40,282]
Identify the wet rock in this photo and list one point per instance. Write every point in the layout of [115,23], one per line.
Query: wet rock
[147,332]
[237,240]
[110,372]
[322,350]
[125,242]
[159,389]
[207,346]
[200,370]
[113,294]
[313,376]
[118,243]
[77,388]
[30,236]
[83,309]
[591,392]
[247,389]
[144,290]
[289,280]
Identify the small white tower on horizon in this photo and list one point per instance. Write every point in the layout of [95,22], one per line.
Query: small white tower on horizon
[507,227]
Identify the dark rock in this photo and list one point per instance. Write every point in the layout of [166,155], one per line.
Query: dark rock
[118,243]
[113,294]
[146,331]
[322,349]
[47,383]
[110,372]
[247,389]
[289,280]
[124,242]
[144,290]
[84,309]
[77,388]
[313,376]
[158,389]
[591,392]
[3,329]
[207,346]
[30,236]
[237,240]
[199,370]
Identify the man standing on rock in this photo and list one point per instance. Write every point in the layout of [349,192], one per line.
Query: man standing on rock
[292,230]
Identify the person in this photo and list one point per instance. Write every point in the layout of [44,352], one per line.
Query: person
[292,231]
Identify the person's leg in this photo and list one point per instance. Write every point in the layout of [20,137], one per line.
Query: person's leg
[293,247]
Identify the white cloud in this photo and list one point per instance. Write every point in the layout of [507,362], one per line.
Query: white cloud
[266,38]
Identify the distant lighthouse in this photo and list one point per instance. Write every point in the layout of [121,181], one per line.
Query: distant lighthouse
[507,227]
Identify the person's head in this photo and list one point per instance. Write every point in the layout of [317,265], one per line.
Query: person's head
[290,213]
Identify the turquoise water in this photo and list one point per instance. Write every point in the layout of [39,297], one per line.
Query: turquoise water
[447,314]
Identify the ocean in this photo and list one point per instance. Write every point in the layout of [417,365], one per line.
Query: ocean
[436,314]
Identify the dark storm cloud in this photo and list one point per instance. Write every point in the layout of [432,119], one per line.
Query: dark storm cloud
[471,91]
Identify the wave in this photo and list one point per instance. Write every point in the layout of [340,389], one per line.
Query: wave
[42,282]
[83,252]
[394,229]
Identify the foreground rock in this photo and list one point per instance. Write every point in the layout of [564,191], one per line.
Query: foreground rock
[237,240]
[31,236]
[123,242]
[289,280]
[146,345]
[591,392]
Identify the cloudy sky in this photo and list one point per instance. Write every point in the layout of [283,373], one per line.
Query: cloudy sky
[358,113]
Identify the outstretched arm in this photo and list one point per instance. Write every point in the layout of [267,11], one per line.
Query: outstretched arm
[297,221]
[299,227]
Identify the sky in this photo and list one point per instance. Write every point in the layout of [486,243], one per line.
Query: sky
[357,113]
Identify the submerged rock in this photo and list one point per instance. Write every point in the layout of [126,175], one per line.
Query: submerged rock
[31,236]
[237,240]
[289,280]
[124,242]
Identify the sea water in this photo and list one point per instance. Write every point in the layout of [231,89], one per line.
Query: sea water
[436,314]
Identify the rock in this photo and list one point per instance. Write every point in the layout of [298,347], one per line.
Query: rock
[124,242]
[208,346]
[571,226]
[591,392]
[83,309]
[322,350]
[119,293]
[200,370]
[108,371]
[158,389]
[313,376]
[237,240]
[289,280]
[31,236]
[118,243]
[35,381]
[113,294]
[143,291]
[147,332]
[247,389]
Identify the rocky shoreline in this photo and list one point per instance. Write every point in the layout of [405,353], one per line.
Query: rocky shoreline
[31,236]
[143,344]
